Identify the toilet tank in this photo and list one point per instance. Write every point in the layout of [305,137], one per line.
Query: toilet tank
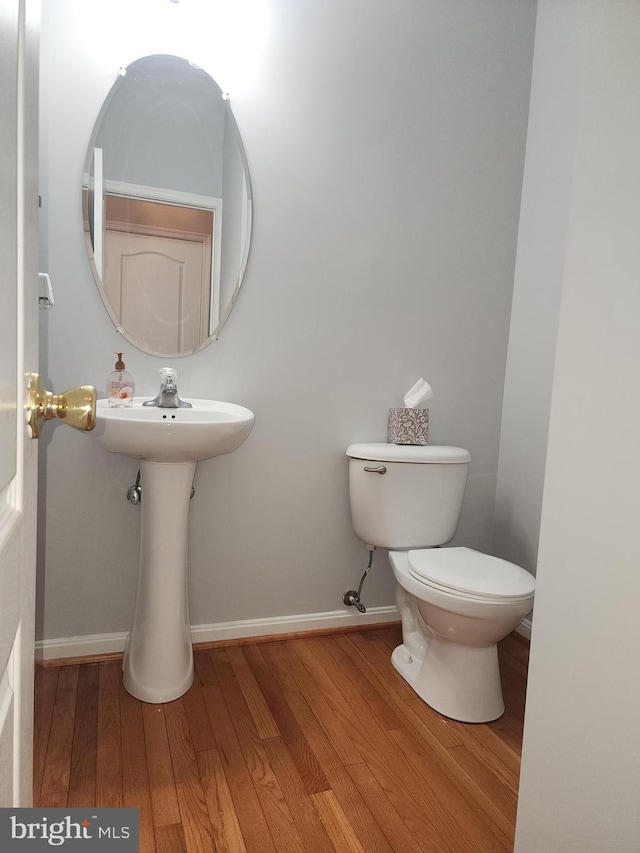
[413,496]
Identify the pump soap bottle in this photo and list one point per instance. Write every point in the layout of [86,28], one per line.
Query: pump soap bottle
[120,385]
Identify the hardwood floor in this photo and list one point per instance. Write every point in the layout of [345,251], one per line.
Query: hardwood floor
[295,745]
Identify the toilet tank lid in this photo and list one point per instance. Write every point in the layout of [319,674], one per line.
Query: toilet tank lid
[421,453]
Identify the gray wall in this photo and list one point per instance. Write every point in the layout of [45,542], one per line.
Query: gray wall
[581,751]
[385,143]
[148,121]
[548,173]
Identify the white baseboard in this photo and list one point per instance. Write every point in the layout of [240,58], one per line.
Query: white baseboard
[103,644]
[524,628]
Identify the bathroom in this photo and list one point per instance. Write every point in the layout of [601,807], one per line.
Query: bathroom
[386,144]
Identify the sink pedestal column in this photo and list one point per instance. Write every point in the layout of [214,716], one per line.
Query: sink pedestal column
[158,662]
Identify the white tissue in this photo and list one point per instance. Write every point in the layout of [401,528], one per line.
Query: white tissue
[420,392]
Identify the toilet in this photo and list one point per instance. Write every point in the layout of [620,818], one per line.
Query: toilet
[455,603]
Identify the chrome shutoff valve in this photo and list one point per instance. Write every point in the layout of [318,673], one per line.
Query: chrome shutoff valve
[352,599]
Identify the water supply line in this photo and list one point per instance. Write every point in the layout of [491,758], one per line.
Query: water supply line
[352,596]
[134,493]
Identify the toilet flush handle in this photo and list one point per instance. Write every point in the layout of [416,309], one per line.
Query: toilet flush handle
[380,469]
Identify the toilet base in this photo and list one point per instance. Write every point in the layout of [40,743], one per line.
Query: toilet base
[460,682]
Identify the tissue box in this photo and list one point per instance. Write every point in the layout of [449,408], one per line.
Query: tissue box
[408,426]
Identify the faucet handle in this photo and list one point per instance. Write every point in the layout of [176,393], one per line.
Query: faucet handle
[168,375]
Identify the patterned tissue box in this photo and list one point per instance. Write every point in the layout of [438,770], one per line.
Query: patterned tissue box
[408,426]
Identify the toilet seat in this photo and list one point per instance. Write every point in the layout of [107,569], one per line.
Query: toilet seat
[469,573]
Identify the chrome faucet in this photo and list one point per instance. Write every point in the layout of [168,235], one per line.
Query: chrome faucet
[167,397]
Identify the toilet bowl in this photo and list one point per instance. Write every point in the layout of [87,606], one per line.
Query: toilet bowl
[456,604]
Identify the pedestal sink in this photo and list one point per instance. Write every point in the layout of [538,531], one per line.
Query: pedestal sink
[158,661]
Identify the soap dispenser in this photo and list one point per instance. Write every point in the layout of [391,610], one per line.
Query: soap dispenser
[120,385]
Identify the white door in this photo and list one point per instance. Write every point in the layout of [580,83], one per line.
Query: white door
[18,354]
[158,288]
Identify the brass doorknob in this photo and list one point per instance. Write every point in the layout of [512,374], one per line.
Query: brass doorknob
[76,407]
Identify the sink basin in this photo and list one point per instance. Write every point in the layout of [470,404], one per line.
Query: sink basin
[172,435]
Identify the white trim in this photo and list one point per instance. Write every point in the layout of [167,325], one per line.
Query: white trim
[170,196]
[98,211]
[71,647]
[15,681]
[524,628]
[102,644]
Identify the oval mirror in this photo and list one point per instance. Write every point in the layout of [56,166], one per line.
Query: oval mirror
[167,206]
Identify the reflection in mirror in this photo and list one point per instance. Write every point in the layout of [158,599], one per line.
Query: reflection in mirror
[167,206]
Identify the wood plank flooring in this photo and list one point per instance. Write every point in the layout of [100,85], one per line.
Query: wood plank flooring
[294,745]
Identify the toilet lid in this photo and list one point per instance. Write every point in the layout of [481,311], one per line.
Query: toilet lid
[464,571]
